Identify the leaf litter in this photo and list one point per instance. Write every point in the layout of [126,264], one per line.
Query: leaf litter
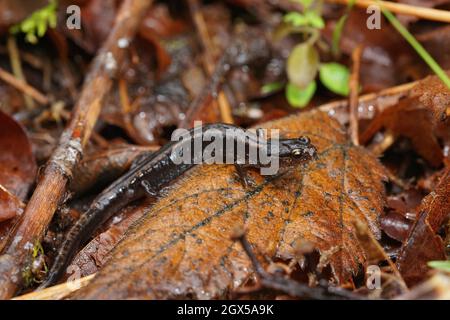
[188,250]
[336,205]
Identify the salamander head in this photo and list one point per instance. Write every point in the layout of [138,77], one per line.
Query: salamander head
[297,150]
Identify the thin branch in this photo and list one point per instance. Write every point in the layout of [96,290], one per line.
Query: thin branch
[209,54]
[24,87]
[52,186]
[393,93]
[400,8]
[289,286]
[16,66]
[353,100]
[57,292]
[380,147]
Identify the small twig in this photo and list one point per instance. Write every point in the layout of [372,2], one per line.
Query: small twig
[416,11]
[52,186]
[16,66]
[24,87]
[353,100]
[124,98]
[209,54]
[209,89]
[392,92]
[57,292]
[289,286]
[380,147]
[26,57]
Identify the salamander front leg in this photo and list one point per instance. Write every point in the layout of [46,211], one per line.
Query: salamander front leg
[244,178]
[148,189]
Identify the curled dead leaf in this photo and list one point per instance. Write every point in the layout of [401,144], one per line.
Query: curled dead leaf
[17,163]
[435,95]
[413,120]
[99,169]
[182,246]
[96,252]
[10,209]
[423,243]
[10,206]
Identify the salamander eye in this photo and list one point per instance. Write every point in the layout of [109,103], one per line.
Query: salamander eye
[296,152]
[304,140]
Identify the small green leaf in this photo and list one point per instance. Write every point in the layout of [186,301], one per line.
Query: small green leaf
[296,19]
[440,265]
[335,77]
[314,19]
[302,64]
[337,32]
[36,24]
[271,87]
[41,28]
[31,38]
[27,25]
[310,18]
[298,97]
[52,20]
[305,3]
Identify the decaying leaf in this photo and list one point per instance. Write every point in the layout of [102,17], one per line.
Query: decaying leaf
[10,209]
[17,164]
[435,288]
[10,206]
[96,252]
[423,243]
[401,213]
[396,226]
[101,168]
[435,95]
[411,119]
[182,246]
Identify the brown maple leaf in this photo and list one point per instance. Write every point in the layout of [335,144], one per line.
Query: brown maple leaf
[182,246]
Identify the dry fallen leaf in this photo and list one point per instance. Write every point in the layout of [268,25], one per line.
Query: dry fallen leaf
[10,206]
[182,246]
[423,243]
[411,119]
[17,164]
[10,210]
[93,256]
[435,95]
[98,169]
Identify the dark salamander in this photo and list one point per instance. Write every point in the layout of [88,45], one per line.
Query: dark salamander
[160,169]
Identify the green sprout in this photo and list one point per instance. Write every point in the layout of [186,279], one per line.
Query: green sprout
[339,28]
[440,265]
[337,32]
[303,64]
[32,273]
[417,46]
[271,87]
[35,26]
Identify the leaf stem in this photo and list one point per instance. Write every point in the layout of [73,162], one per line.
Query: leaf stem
[417,46]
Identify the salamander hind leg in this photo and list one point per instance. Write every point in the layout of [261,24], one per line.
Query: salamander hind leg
[243,176]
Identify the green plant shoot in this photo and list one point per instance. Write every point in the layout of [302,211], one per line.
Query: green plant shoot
[35,26]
